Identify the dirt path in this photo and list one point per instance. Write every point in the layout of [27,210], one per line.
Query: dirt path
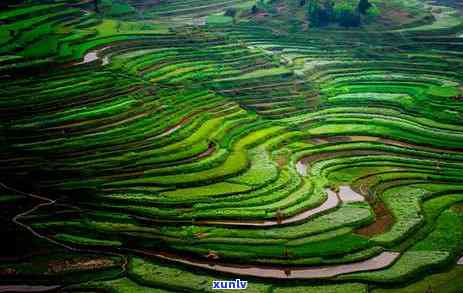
[170,130]
[50,202]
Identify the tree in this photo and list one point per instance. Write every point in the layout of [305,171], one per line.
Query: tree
[320,12]
[363,6]
[95,4]
[231,12]
[328,11]
[346,13]
[5,4]
[254,9]
[349,19]
[314,12]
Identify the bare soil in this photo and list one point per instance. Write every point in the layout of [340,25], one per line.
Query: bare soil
[383,222]
[79,264]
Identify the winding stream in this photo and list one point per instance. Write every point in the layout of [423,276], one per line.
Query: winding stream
[380,261]
[48,202]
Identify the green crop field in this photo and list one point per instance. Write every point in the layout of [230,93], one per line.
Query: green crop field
[297,145]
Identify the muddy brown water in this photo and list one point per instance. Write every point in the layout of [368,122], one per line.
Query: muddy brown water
[382,223]
[89,57]
[347,194]
[93,55]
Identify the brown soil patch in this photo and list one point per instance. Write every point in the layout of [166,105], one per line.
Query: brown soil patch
[398,16]
[383,222]
[316,140]
[281,161]
[337,138]
[458,208]
[261,15]
[79,264]
[201,235]
[390,16]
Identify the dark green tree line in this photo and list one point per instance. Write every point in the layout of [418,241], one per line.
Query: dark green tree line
[347,13]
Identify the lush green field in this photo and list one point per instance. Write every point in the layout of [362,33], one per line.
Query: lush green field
[157,146]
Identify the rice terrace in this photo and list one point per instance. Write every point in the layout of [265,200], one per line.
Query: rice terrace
[267,146]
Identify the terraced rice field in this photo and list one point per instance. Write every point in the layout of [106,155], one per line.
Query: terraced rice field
[158,156]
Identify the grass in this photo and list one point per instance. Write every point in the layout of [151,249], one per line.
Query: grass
[119,286]
[445,282]
[158,275]
[86,241]
[218,189]
[188,123]
[219,19]
[433,252]
[341,288]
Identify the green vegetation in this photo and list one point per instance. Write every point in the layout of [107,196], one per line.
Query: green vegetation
[347,13]
[302,146]
[448,282]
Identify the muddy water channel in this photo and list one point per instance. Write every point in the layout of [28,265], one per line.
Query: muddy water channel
[380,261]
